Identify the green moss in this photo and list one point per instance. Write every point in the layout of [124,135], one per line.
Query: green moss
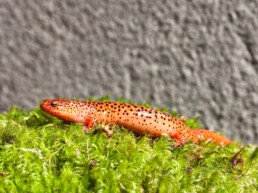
[39,153]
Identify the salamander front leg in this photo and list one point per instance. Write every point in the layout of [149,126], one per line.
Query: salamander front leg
[108,128]
[89,124]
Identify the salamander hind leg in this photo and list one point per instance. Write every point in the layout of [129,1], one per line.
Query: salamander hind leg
[180,139]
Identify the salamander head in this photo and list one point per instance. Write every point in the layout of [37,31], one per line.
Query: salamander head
[61,108]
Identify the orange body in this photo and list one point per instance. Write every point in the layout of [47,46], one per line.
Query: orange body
[138,119]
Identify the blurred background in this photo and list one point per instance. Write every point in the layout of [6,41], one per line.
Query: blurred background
[199,57]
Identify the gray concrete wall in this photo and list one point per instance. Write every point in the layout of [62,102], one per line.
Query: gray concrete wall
[200,57]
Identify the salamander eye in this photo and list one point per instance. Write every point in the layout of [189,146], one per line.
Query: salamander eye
[54,104]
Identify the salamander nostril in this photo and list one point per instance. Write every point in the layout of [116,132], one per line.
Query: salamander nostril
[54,104]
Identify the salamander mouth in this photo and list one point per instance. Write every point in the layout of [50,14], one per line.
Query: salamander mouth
[49,106]
[47,103]
[43,105]
[56,108]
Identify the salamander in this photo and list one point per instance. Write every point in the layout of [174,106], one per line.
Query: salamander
[138,119]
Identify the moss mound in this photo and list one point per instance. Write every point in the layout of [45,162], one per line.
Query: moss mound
[39,153]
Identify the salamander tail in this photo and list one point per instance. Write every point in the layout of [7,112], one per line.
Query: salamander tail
[206,135]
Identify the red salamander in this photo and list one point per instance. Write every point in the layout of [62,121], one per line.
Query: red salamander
[138,119]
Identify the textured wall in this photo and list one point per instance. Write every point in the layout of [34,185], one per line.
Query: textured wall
[200,57]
